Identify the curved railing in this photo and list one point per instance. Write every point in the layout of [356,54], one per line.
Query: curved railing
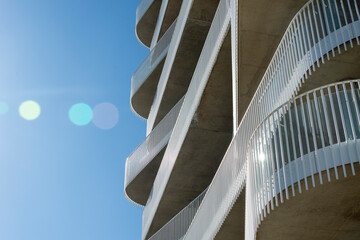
[316,31]
[176,228]
[151,146]
[156,55]
[142,8]
[317,131]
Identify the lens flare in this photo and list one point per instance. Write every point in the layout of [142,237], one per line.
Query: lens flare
[4,108]
[80,114]
[106,116]
[262,157]
[29,110]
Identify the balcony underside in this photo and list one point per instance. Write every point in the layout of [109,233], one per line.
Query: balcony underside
[261,24]
[171,13]
[205,144]
[187,55]
[146,23]
[142,99]
[341,67]
[139,189]
[329,211]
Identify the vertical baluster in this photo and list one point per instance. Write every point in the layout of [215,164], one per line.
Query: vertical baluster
[346,23]
[293,145]
[327,123]
[358,15]
[299,63]
[306,131]
[317,32]
[327,25]
[277,159]
[334,26]
[356,108]
[288,149]
[266,153]
[336,129]
[300,145]
[340,25]
[312,34]
[312,129]
[282,154]
[323,31]
[307,37]
[263,171]
[294,58]
[303,45]
[343,122]
[352,21]
[351,123]
[321,134]
[272,162]
[259,175]
[257,184]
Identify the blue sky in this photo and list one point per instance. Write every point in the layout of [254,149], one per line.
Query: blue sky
[59,180]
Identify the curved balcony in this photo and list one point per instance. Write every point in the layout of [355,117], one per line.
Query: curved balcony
[145,80]
[146,18]
[317,132]
[142,165]
[316,32]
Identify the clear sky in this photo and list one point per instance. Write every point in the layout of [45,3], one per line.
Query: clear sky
[59,180]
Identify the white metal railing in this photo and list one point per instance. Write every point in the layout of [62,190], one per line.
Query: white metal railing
[315,32]
[176,228]
[317,131]
[142,8]
[156,55]
[213,43]
[151,146]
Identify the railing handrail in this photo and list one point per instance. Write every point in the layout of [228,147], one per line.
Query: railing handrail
[183,217]
[153,59]
[134,164]
[142,7]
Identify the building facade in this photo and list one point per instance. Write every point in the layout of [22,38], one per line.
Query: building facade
[253,120]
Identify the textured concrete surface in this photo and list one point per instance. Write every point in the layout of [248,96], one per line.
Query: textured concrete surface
[262,24]
[344,66]
[327,212]
[233,226]
[205,144]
